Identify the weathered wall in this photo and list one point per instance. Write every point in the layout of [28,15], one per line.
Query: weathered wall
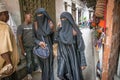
[14,9]
[112,40]
[113,61]
[107,46]
[59,9]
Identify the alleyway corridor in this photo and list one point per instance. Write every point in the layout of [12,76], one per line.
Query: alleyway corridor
[99,22]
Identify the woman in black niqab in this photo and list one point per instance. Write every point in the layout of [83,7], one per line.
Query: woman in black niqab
[43,21]
[43,32]
[71,47]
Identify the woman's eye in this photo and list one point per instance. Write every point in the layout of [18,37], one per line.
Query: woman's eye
[40,15]
[64,19]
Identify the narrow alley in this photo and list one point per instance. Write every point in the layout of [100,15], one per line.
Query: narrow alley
[98,20]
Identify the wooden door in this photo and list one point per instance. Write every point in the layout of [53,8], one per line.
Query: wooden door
[32,5]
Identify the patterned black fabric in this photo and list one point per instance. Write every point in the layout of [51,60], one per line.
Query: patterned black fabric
[44,31]
[70,50]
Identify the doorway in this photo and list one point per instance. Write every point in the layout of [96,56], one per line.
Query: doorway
[32,5]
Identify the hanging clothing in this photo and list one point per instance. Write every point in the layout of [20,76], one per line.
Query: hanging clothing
[43,29]
[70,50]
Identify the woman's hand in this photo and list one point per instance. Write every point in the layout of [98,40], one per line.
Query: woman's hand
[59,24]
[51,25]
[42,44]
[74,32]
[55,46]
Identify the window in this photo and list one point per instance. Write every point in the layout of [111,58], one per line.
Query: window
[74,11]
[65,4]
[79,16]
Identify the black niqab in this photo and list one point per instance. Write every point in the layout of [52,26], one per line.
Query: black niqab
[66,35]
[71,20]
[43,22]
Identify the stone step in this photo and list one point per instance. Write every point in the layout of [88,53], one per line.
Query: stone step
[35,75]
[116,77]
[21,70]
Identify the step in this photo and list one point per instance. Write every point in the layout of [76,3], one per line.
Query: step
[21,70]
[116,77]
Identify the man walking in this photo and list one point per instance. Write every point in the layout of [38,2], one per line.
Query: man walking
[26,43]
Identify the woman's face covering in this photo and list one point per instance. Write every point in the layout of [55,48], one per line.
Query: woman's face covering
[40,17]
[64,21]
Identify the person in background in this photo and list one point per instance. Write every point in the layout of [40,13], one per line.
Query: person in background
[44,28]
[26,43]
[71,57]
[8,51]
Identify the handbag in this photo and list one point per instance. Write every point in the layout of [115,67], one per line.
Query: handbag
[41,52]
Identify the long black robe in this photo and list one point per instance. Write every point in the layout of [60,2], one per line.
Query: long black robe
[43,30]
[70,50]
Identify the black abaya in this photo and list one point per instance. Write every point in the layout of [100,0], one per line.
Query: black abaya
[70,50]
[43,30]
